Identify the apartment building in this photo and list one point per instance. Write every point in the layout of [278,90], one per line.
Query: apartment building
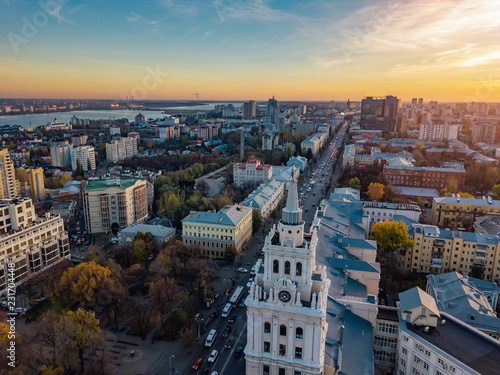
[423,177]
[84,154]
[60,153]
[440,251]
[8,183]
[31,183]
[266,197]
[251,173]
[437,132]
[111,204]
[459,212]
[314,143]
[120,149]
[31,243]
[215,231]
[433,342]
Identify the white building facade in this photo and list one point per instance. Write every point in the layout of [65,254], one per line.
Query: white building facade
[84,154]
[252,172]
[120,149]
[286,305]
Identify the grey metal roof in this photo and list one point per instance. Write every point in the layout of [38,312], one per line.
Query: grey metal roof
[416,297]
[457,296]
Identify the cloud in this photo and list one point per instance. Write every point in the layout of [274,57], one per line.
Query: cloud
[183,7]
[136,18]
[426,33]
[250,10]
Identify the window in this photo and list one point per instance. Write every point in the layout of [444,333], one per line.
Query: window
[426,366]
[281,371]
[276,266]
[299,333]
[267,347]
[298,353]
[287,268]
[298,269]
[282,330]
[282,349]
[265,370]
[297,372]
[267,327]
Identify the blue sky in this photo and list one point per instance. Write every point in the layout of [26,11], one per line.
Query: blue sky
[239,49]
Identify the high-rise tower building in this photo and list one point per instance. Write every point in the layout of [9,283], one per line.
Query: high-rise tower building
[8,183]
[287,303]
[32,183]
[273,110]
[250,109]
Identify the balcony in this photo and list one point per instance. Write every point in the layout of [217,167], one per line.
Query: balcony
[439,243]
[436,263]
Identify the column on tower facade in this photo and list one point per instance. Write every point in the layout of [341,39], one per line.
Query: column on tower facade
[317,340]
[275,336]
[308,336]
[290,339]
[250,332]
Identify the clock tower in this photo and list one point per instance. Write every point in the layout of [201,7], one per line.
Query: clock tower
[286,305]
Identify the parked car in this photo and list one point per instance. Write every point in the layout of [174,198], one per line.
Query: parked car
[242,270]
[198,364]
[242,303]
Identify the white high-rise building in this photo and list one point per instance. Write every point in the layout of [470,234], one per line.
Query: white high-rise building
[287,303]
[83,153]
[437,132]
[60,153]
[120,149]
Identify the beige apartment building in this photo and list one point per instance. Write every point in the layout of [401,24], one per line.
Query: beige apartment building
[120,149]
[111,204]
[31,183]
[215,231]
[8,183]
[461,212]
[440,251]
[31,243]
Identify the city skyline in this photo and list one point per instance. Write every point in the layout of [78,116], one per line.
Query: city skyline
[233,50]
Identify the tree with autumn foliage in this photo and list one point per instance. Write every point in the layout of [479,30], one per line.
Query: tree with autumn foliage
[375,191]
[81,284]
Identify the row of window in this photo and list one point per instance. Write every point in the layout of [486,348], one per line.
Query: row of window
[298,267]
[299,333]
[281,371]
[282,350]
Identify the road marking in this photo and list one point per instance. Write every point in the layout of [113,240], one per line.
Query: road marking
[231,352]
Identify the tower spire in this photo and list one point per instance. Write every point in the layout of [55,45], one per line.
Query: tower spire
[292,214]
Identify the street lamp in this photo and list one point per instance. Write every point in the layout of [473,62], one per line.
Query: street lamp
[170,363]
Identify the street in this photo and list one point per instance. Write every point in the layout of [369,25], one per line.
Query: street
[226,362]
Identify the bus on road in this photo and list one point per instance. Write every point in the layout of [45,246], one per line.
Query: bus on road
[236,295]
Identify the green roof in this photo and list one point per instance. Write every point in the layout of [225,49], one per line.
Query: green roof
[123,183]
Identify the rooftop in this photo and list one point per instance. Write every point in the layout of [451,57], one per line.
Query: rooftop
[416,297]
[102,184]
[464,343]
[158,231]
[457,296]
[468,201]
[229,215]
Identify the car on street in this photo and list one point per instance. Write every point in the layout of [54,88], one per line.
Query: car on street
[214,373]
[232,318]
[242,303]
[226,331]
[213,356]
[238,352]
[242,270]
[197,364]
[229,343]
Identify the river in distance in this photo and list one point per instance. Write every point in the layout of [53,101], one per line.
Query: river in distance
[33,120]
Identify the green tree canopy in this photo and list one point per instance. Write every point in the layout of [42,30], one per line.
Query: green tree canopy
[391,236]
[355,183]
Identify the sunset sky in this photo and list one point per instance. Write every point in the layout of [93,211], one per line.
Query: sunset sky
[447,50]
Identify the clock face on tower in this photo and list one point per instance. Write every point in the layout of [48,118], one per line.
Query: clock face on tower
[284,296]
